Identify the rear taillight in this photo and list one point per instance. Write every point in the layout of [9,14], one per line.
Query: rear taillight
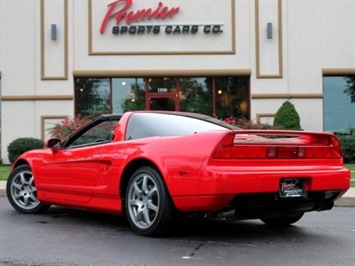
[327,148]
[228,150]
[323,153]
[225,148]
[332,150]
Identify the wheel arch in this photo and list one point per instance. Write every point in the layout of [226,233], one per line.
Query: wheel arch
[24,198]
[19,163]
[128,171]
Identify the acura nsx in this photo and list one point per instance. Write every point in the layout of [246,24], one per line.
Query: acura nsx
[152,165]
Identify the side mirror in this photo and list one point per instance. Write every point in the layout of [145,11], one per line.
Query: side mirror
[53,144]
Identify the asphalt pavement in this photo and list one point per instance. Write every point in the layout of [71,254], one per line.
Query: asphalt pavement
[62,236]
[347,200]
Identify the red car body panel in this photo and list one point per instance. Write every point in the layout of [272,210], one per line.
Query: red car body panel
[90,177]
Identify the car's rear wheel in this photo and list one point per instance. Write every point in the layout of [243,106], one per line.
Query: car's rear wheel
[22,192]
[283,220]
[147,202]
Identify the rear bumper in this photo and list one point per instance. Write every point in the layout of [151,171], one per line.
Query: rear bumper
[269,205]
[258,205]
[234,180]
[255,193]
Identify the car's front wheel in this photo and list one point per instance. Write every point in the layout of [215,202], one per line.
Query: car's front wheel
[283,220]
[22,192]
[147,202]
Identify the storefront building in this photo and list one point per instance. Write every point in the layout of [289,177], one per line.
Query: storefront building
[225,58]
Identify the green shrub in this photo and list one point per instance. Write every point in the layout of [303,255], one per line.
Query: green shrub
[20,145]
[348,147]
[287,117]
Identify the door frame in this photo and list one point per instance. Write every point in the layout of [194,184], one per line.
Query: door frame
[161,95]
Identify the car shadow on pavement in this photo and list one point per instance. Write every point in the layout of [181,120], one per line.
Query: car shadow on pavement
[196,228]
[215,228]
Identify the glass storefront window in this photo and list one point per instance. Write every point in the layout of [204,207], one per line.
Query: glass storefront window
[128,94]
[162,93]
[196,95]
[162,104]
[232,97]
[339,109]
[222,97]
[92,97]
[162,85]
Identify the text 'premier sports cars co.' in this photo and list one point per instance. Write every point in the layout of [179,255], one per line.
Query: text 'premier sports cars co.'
[121,12]
[153,165]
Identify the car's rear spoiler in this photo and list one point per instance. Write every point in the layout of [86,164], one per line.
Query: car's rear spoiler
[277,144]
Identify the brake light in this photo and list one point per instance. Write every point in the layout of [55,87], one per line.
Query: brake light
[228,150]
[335,142]
[244,148]
[323,153]
[331,151]
[225,148]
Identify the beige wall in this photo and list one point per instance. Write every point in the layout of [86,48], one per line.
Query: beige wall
[309,38]
[318,36]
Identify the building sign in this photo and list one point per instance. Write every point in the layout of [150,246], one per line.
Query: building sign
[161,27]
[120,11]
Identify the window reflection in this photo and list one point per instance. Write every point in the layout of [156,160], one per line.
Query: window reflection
[98,134]
[339,111]
[162,85]
[196,95]
[222,97]
[128,94]
[92,97]
[232,97]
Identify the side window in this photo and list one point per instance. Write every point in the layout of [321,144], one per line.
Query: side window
[135,128]
[97,134]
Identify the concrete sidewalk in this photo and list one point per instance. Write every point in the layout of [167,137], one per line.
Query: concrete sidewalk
[348,199]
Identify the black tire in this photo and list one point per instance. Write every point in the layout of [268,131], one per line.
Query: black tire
[283,220]
[22,192]
[148,205]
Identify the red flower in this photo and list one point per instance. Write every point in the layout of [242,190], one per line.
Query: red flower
[227,120]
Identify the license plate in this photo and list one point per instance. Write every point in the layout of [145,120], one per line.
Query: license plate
[291,188]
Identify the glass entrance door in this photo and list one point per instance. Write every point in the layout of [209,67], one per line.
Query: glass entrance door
[162,94]
[167,104]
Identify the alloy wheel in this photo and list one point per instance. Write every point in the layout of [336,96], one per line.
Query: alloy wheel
[23,190]
[143,201]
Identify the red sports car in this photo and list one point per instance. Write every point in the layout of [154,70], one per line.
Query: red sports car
[150,165]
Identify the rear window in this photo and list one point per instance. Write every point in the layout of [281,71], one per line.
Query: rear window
[142,125]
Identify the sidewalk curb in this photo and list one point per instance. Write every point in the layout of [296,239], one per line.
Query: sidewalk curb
[2,188]
[345,202]
[348,199]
